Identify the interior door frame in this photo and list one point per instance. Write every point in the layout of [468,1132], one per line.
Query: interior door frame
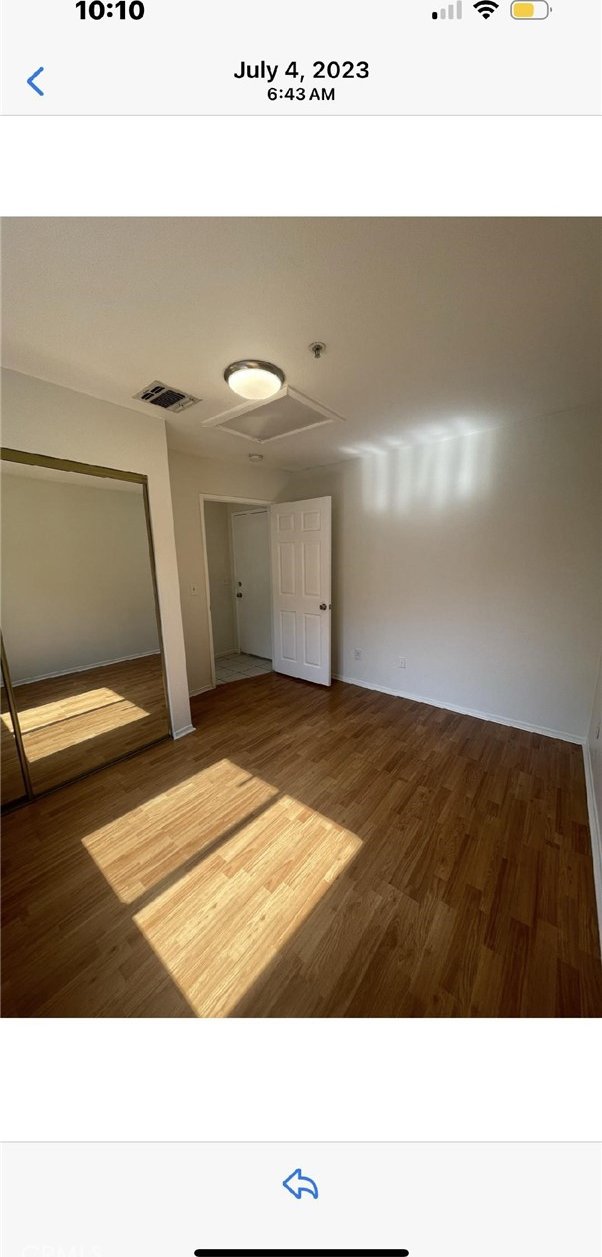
[227,499]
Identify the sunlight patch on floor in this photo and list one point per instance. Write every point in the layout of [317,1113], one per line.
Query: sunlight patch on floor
[219,927]
[149,843]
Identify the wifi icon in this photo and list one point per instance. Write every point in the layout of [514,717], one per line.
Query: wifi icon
[486,8]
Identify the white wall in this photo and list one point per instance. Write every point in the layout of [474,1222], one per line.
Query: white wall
[44,418]
[76,577]
[221,579]
[191,476]
[476,558]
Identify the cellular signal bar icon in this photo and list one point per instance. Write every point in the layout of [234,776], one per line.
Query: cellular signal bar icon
[452,10]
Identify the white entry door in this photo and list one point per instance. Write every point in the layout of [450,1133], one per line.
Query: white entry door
[251,545]
[301,592]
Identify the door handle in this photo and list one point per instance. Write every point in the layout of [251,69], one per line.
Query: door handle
[239,595]
[323,606]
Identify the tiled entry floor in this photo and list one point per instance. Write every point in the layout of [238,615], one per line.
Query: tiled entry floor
[234,667]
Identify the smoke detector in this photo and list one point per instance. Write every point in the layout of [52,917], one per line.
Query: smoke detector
[166,397]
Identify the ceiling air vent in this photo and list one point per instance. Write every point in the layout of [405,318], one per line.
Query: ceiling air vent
[158,394]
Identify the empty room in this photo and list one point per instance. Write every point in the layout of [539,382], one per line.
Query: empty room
[301,617]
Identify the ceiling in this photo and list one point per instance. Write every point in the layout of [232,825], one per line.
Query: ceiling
[432,326]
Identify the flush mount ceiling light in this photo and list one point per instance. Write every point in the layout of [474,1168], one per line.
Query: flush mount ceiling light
[253,379]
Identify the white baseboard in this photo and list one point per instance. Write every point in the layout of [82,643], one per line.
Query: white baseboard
[181,733]
[203,690]
[86,667]
[594,829]
[464,711]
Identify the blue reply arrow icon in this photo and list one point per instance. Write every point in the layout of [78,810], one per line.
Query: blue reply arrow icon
[296,1184]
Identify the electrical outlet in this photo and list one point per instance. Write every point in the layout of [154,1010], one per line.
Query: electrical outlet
[357,654]
[403,663]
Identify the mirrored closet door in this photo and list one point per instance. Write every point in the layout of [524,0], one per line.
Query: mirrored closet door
[14,785]
[81,631]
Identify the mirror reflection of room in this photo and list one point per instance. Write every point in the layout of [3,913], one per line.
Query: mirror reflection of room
[79,620]
[12,781]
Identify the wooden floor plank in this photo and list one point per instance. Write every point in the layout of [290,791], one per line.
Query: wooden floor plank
[309,853]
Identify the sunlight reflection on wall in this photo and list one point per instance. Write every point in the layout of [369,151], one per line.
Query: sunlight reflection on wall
[430,468]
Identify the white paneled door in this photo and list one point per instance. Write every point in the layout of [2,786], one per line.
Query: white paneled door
[301,593]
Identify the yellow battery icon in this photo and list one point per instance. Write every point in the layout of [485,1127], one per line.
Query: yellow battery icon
[535,11]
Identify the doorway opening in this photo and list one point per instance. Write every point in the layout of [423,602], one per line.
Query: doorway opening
[236,538]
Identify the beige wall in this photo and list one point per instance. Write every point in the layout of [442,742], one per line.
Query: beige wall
[221,579]
[44,418]
[190,477]
[76,577]
[478,560]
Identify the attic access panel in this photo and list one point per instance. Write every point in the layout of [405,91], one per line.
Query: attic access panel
[285,414]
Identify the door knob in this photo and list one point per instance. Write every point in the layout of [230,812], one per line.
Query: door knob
[322,606]
[239,595]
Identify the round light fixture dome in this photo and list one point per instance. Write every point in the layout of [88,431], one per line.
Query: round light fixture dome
[254,380]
